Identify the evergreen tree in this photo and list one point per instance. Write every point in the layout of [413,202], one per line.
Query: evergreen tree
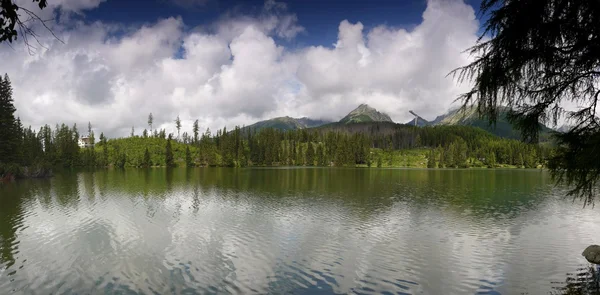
[147,162]
[188,157]
[379,162]
[321,155]
[519,160]
[9,137]
[150,121]
[103,141]
[533,56]
[491,160]
[300,155]
[431,159]
[178,126]
[310,155]
[196,130]
[169,160]
[442,161]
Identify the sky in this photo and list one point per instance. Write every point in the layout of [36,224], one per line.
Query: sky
[229,62]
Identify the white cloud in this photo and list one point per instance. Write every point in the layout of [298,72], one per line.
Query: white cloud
[237,72]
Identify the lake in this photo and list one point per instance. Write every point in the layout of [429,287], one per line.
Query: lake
[291,231]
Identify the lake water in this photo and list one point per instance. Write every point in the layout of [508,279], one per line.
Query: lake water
[291,231]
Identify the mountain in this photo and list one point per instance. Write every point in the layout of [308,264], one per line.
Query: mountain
[470,117]
[564,128]
[420,122]
[287,123]
[365,113]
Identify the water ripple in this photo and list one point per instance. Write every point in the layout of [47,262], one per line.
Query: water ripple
[302,231]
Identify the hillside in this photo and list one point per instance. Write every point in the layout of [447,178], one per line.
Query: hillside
[502,127]
[287,123]
[365,113]
[470,117]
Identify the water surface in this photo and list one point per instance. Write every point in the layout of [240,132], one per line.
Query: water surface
[291,231]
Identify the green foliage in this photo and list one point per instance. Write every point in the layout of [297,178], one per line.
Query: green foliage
[321,156]
[9,129]
[147,162]
[9,18]
[188,157]
[533,56]
[340,145]
[310,154]
[431,159]
[178,126]
[169,160]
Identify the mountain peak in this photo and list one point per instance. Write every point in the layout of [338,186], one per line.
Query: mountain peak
[287,123]
[365,113]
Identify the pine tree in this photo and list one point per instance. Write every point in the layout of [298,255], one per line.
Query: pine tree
[150,120]
[103,141]
[300,155]
[442,161]
[169,160]
[188,157]
[147,161]
[310,155]
[9,137]
[491,159]
[431,159]
[519,160]
[196,130]
[321,155]
[178,126]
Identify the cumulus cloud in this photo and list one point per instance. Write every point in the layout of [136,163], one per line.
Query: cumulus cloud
[237,71]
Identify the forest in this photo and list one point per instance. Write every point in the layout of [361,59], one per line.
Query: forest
[28,152]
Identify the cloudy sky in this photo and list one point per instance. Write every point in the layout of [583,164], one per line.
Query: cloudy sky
[231,63]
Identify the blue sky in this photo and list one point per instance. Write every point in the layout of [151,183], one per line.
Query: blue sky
[231,62]
[319,18]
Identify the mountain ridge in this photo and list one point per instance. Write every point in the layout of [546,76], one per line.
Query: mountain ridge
[287,123]
[365,113]
[470,117]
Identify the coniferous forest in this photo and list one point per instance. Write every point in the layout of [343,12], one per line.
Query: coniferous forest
[32,153]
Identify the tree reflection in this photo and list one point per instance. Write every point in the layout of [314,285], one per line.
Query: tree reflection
[585,281]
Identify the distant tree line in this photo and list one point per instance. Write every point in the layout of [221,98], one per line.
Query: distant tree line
[367,144]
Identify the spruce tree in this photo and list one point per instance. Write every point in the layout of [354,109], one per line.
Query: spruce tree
[534,56]
[321,155]
[147,161]
[150,121]
[310,155]
[188,157]
[178,126]
[196,130]
[169,160]
[9,137]
[431,159]
[491,160]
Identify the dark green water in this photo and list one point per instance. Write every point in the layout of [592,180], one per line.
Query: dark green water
[291,231]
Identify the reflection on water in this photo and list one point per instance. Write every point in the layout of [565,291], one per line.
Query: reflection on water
[300,231]
[585,281]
